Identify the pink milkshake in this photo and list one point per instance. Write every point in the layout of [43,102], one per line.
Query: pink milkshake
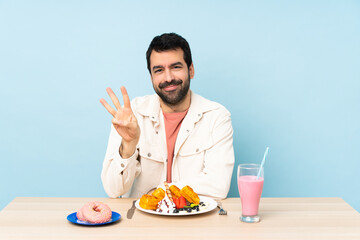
[250,179]
[250,190]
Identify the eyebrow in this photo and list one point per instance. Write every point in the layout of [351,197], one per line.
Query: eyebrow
[177,63]
[172,65]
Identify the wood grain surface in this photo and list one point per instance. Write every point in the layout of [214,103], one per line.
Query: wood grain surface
[282,218]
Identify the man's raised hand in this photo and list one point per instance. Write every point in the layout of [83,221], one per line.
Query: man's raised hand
[124,121]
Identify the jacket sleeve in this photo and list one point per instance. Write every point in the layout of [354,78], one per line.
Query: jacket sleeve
[118,174]
[215,178]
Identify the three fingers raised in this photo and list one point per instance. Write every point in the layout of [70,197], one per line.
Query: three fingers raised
[115,100]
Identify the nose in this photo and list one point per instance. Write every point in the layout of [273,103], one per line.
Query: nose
[168,75]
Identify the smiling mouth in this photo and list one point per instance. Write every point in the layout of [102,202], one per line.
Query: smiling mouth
[170,88]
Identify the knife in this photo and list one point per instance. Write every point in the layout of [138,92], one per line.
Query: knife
[131,210]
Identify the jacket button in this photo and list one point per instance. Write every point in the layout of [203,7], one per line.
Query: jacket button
[197,150]
[149,154]
[122,165]
[199,115]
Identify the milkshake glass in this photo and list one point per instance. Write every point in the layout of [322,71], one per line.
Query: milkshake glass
[250,189]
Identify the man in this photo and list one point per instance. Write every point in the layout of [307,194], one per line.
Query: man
[174,135]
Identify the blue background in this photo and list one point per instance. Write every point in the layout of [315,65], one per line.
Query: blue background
[287,70]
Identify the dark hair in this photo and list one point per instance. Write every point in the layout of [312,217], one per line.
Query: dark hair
[169,41]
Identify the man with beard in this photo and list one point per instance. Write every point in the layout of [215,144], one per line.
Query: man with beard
[174,135]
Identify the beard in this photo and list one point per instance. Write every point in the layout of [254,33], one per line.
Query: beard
[173,97]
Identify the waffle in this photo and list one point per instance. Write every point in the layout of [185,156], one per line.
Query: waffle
[149,202]
[189,194]
[159,193]
[175,191]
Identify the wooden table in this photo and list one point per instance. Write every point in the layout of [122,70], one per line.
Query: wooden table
[282,218]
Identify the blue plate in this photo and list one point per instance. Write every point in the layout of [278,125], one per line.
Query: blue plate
[72,218]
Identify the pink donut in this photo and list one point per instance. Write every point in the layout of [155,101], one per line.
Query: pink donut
[96,212]
[80,215]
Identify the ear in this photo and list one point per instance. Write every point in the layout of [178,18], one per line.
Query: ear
[191,71]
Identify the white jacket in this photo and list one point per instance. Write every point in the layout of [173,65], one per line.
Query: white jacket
[203,154]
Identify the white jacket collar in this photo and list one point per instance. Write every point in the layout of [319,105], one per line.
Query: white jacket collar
[198,106]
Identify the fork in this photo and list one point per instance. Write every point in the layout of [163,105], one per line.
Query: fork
[221,211]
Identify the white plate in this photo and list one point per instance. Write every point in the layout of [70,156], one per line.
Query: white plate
[210,204]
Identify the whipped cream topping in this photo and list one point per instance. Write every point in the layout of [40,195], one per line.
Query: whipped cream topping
[165,205]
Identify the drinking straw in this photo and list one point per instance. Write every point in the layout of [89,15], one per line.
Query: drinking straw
[262,162]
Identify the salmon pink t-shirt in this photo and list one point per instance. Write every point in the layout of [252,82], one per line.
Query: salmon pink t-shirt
[172,126]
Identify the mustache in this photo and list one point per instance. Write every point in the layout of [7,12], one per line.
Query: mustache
[172,82]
